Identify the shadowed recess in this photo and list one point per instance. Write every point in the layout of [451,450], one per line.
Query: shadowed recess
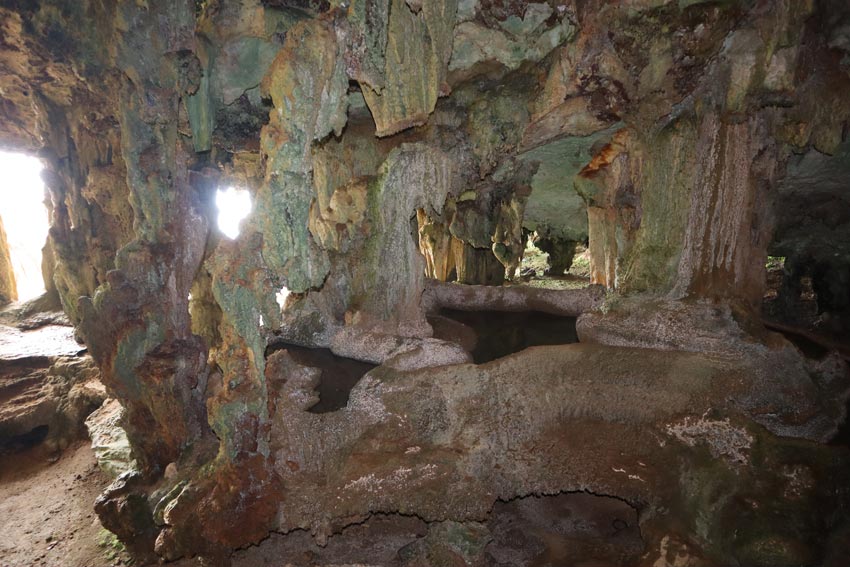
[501,333]
[339,374]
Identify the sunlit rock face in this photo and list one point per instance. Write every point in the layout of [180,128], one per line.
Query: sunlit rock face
[399,156]
[8,287]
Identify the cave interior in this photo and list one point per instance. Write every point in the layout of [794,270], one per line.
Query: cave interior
[563,282]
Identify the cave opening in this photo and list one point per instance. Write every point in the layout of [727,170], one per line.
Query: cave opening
[281,296]
[234,205]
[554,263]
[24,219]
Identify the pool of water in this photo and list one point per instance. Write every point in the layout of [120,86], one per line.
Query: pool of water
[502,333]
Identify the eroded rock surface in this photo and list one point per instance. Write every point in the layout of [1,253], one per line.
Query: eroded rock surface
[109,440]
[47,387]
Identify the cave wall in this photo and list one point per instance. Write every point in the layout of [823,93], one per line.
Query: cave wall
[657,196]
[367,132]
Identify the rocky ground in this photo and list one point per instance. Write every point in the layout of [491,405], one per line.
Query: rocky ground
[46,503]
[565,530]
[49,478]
[46,506]
[47,496]
[48,383]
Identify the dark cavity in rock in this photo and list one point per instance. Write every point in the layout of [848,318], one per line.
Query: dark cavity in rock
[24,441]
[339,374]
[502,333]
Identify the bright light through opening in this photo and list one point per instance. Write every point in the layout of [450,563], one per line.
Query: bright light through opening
[25,219]
[281,296]
[233,206]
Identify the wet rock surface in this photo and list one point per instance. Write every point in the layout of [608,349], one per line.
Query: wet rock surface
[38,344]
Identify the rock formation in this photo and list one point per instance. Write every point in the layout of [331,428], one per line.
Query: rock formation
[47,386]
[399,154]
[8,287]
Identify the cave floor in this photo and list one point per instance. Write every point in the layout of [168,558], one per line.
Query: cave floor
[46,503]
[566,281]
[46,507]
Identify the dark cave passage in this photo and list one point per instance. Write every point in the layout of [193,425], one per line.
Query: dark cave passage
[501,333]
[18,443]
[339,374]
[842,436]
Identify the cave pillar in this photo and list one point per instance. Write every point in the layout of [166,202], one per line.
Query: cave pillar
[611,186]
[477,266]
[508,241]
[137,324]
[602,244]
[681,211]
[244,275]
[561,253]
[386,270]
[728,223]
[309,68]
[48,270]
[435,243]
[88,200]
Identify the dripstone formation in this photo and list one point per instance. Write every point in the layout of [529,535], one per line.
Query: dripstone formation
[400,155]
